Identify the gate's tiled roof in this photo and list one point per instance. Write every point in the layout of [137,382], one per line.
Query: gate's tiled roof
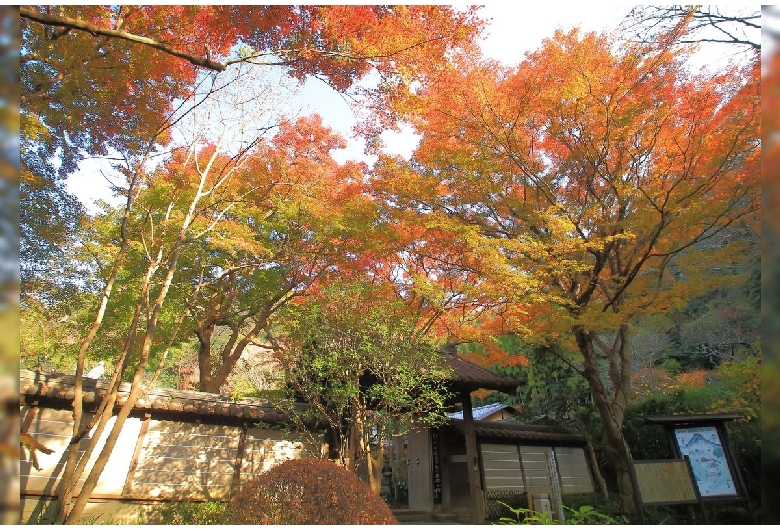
[522,433]
[470,376]
[466,376]
[42,385]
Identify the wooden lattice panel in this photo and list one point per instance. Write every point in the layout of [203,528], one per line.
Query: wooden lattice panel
[573,470]
[494,510]
[537,478]
[501,465]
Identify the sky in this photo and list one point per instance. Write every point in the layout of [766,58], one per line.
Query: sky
[514,28]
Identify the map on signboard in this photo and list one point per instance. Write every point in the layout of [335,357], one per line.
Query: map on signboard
[703,447]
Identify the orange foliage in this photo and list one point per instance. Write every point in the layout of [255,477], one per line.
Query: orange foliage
[651,380]
[97,90]
[492,354]
[294,211]
[551,197]
[693,379]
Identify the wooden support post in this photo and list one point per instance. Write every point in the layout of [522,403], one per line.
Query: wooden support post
[446,480]
[731,460]
[640,506]
[698,493]
[475,477]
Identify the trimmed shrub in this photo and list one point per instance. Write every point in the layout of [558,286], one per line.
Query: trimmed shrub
[307,491]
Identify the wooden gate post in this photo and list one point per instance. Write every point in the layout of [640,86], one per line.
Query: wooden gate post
[475,476]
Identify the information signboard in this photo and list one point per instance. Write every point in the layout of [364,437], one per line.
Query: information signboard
[664,482]
[703,447]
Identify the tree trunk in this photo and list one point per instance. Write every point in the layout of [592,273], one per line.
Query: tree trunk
[67,484]
[354,440]
[135,388]
[70,476]
[611,406]
[619,455]
[374,460]
[205,382]
[596,471]
[233,351]
[212,378]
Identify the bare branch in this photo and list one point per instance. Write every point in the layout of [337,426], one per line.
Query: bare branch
[648,22]
[288,57]
[74,23]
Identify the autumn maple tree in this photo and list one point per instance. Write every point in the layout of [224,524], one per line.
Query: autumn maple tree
[587,186]
[116,81]
[166,210]
[95,79]
[596,182]
[306,218]
[227,230]
[91,74]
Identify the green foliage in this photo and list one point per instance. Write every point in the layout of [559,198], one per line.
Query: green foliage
[46,264]
[584,514]
[671,365]
[741,381]
[589,515]
[556,389]
[648,442]
[526,516]
[354,349]
[50,333]
[43,516]
[179,355]
[724,322]
[553,389]
[185,513]
[307,491]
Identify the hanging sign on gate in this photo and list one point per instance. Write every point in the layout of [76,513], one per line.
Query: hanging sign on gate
[436,467]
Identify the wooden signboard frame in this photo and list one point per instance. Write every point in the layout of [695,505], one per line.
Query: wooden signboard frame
[713,428]
[663,482]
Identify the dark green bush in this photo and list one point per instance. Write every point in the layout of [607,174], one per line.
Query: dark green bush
[185,513]
[307,491]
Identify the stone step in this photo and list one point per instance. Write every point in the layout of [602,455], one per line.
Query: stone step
[404,515]
[450,518]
